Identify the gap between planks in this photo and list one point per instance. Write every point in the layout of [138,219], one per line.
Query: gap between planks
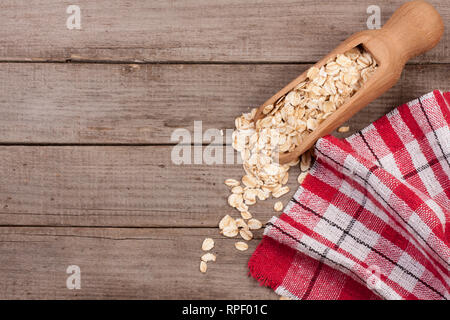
[192,62]
[116,105]
[107,227]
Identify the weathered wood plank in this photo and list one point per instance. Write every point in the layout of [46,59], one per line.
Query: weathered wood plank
[193,30]
[120,103]
[123,264]
[115,186]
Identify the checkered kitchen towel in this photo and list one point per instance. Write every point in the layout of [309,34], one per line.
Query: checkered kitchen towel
[372,218]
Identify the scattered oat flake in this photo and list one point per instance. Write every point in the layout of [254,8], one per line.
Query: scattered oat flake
[208,257]
[226,220]
[242,207]
[305,162]
[235,200]
[254,224]
[249,181]
[344,129]
[207,244]
[246,215]
[278,206]
[203,266]
[232,182]
[280,192]
[241,246]
[237,189]
[241,223]
[230,231]
[246,234]
[301,177]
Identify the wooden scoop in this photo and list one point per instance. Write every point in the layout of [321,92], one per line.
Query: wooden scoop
[413,29]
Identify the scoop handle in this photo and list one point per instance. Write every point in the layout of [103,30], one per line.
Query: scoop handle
[414,28]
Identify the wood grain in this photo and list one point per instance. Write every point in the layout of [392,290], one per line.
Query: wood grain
[191,30]
[109,199]
[122,103]
[115,186]
[123,264]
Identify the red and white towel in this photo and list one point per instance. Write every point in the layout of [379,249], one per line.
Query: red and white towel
[371,220]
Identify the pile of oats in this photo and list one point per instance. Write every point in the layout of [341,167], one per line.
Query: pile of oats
[286,123]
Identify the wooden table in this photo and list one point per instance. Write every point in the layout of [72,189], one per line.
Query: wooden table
[86,118]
